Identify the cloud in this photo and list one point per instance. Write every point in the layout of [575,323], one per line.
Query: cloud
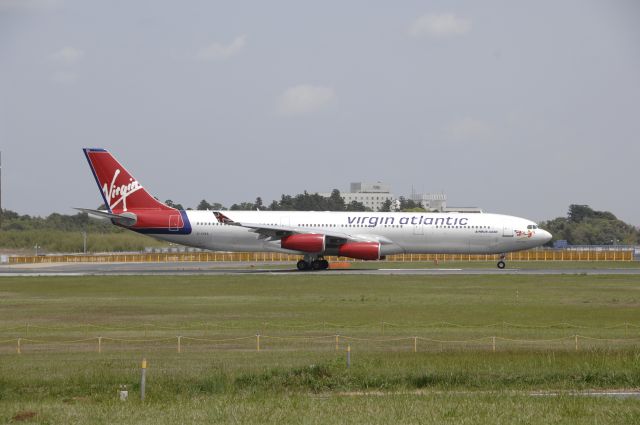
[68,55]
[439,26]
[303,99]
[470,130]
[217,51]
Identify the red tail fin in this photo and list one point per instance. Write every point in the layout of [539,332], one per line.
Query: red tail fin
[120,191]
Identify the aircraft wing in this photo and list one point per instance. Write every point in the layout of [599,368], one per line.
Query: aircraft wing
[276,232]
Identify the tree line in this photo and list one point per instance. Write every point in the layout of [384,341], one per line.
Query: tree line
[585,226]
[68,233]
[301,202]
[309,202]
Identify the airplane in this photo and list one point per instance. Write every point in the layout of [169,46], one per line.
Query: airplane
[311,234]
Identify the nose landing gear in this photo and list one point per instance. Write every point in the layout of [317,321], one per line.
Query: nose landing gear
[501,263]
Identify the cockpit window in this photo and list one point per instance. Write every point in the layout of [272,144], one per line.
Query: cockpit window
[532,226]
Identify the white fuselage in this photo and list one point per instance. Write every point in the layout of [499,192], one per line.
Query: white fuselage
[402,232]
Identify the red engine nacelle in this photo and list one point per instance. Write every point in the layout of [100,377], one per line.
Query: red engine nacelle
[360,250]
[306,242]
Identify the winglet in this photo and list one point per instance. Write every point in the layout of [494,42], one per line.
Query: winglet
[223,218]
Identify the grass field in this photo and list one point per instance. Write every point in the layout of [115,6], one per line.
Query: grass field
[306,380]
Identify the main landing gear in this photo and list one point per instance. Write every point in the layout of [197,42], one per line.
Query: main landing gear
[312,263]
[501,263]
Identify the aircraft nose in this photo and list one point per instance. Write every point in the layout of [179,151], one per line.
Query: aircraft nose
[545,236]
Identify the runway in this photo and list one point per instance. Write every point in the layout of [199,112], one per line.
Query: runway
[236,268]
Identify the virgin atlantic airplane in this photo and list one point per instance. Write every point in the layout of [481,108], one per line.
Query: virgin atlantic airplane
[311,234]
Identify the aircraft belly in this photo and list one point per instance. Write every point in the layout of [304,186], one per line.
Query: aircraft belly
[177,239]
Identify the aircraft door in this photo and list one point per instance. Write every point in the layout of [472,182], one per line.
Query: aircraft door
[418,229]
[174,222]
[507,231]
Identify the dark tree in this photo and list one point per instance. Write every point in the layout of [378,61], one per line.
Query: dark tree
[386,206]
[355,206]
[204,205]
[584,226]
[243,206]
[170,203]
[335,202]
[577,213]
[258,204]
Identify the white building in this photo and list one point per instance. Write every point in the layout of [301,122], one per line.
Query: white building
[374,195]
[437,202]
[431,201]
[371,195]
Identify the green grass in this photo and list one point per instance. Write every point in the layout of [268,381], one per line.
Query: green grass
[244,302]
[306,381]
[315,388]
[304,409]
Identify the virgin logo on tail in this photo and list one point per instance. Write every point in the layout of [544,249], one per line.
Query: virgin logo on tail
[119,194]
[120,190]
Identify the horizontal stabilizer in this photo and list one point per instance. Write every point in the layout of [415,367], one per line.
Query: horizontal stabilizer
[126,219]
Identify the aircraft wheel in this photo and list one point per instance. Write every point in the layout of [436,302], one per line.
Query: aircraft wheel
[302,265]
[324,264]
[501,264]
[316,264]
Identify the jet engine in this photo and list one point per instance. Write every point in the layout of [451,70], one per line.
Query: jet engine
[305,242]
[360,250]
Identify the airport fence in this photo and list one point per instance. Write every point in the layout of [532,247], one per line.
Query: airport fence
[318,343]
[266,257]
[320,337]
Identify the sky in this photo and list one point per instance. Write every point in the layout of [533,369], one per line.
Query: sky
[519,108]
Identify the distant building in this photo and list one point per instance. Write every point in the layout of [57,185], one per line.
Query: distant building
[431,201]
[371,195]
[437,202]
[463,209]
[374,195]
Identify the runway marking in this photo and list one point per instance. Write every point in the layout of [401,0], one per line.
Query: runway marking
[419,270]
[42,274]
[589,393]
[586,393]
